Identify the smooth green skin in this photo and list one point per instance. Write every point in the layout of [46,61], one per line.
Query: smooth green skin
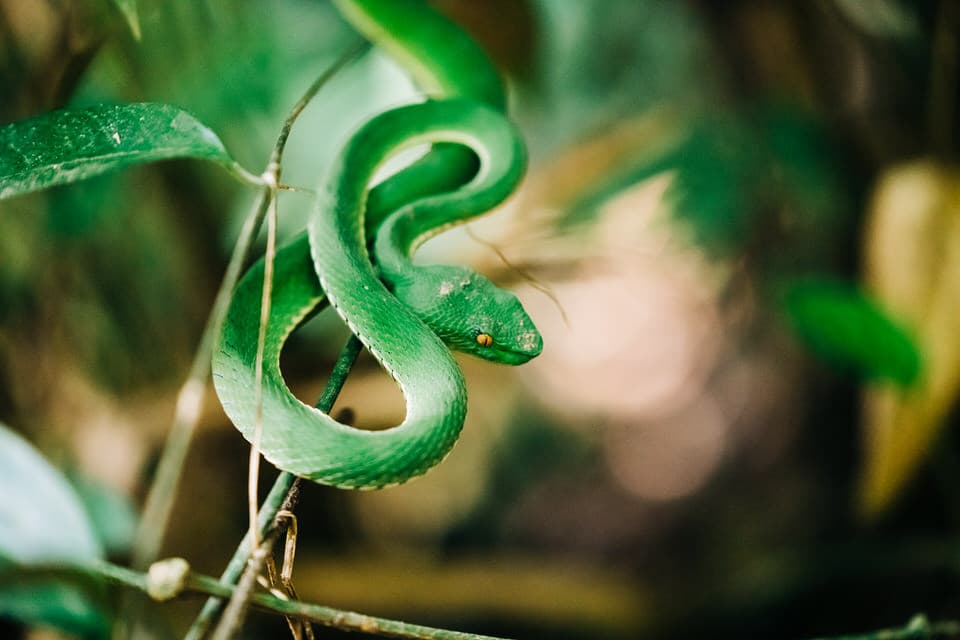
[407,316]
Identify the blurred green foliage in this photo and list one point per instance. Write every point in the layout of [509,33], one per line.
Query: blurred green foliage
[42,521]
[844,326]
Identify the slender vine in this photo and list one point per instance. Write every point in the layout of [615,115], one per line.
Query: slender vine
[172,578]
[282,497]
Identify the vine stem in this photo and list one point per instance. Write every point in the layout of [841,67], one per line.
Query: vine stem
[253,473]
[189,405]
[244,566]
[327,616]
[247,562]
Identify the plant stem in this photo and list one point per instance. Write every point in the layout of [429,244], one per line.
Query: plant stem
[159,502]
[266,298]
[276,500]
[351,54]
[918,628]
[327,616]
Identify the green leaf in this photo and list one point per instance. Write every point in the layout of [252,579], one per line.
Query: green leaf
[61,147]
[42,522]
[843,326]
[41,517]
[129,10]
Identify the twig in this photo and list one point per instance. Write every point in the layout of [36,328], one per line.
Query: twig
[286,590]
[235,568]
[919,628]
[236,610]
[159,503]
[282,496]
[253,474]
[327,616]
[351,54]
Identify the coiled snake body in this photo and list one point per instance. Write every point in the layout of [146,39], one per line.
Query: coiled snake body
[407,316]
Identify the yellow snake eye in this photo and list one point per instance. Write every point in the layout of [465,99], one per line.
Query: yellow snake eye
[484,339]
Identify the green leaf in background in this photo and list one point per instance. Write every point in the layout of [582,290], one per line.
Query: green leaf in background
[129,10]
[837,322]
[42,521]
[912,266]
[61,147]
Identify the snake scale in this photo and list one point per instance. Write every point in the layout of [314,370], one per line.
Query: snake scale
[356,257]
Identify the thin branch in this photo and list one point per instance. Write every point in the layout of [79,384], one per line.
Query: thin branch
[236,609]
[190,402]
[236,567]
[241,597]
[282,496]
[327,616]
[351,54]
[341,369]
[266,296]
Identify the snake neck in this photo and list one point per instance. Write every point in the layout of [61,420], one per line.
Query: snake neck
[402,233]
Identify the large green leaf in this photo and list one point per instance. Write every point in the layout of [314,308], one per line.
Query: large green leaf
[73,144]
[42,522]
[845,327]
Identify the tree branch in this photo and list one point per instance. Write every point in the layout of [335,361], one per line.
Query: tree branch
[282,496]
[327,616]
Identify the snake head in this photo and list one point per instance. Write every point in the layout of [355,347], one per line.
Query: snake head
[471,314]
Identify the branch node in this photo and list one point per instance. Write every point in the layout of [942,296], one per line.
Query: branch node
[167,578]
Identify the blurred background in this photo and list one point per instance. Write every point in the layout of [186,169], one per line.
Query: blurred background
[739,237]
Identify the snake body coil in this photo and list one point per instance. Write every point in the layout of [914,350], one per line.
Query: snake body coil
[406,315]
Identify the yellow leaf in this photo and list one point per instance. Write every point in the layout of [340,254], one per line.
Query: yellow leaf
[913,268]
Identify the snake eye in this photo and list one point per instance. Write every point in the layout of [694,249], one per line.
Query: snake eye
[484,339]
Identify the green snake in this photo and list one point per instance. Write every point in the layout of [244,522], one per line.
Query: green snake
[356,257]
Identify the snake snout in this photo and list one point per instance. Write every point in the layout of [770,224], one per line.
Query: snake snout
[532,343]
[527,346]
